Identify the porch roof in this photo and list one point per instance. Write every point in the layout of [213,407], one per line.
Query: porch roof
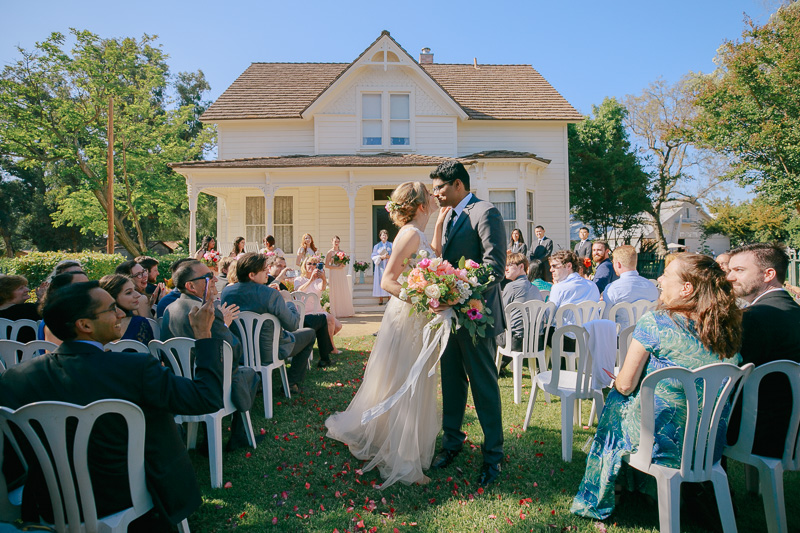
[384,159]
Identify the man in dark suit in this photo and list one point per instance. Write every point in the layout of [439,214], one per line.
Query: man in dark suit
[86,317]
[584,248]
[604,271]
[770,332]
[474,230]
[542,246]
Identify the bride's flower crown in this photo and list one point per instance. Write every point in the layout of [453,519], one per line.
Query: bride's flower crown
[392,206]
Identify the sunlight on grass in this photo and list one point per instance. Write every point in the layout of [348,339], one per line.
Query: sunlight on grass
[299,480]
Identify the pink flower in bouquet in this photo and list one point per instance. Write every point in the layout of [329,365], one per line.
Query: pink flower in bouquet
[472,264]
[449,270]
[474,314]
[461,273]
[416,280]
[425,263]
[434,304]
[340,255]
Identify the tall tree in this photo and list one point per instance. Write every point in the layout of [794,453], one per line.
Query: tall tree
[54,104]
[751,106]
[659,119]
[758,220]
[607,185]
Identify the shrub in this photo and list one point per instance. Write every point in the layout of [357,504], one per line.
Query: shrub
[36,266]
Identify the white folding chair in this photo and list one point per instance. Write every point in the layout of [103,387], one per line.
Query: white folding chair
[126,345]
[566,384]
[155,325]
[770,470]
[10,502]
[628,313]
[13,352]
[578,315]
[306,297]
[287,296]
[179,350]
[44,425]
[9,329]
[536,319]
[172,352]
[545,295]
[707,389]
[249,326]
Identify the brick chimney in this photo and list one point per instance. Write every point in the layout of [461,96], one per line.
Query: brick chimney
[426,57]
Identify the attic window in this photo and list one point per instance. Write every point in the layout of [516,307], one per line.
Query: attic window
[385,56]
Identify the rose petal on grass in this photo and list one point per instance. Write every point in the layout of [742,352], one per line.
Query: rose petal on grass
[274,520]
[228,485]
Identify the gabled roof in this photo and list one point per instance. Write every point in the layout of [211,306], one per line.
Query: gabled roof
[485,92]
[385,159]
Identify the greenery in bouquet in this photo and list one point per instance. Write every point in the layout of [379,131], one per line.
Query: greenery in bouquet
[432,283]
[341,258]
[211,258]
[360,266]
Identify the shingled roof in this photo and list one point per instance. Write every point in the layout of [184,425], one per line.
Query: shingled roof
[488,92]
[384,159]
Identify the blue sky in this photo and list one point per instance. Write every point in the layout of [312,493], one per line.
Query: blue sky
[586,49]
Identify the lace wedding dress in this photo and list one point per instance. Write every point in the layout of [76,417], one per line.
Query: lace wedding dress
[399,442]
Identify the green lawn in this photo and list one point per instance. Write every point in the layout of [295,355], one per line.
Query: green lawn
[299,480]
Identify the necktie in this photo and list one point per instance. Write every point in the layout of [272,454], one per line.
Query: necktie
[449,226]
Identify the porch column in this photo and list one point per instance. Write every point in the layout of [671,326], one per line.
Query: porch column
[521,198]
[190,189]
[269,201]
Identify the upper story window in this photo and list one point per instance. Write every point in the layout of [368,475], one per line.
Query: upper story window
[385,119]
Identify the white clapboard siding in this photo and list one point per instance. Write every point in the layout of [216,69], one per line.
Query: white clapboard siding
[263,138]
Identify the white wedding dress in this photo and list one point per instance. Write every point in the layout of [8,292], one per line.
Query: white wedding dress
[399,442]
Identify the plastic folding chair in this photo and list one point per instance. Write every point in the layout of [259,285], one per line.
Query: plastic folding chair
[628,313]
[708,389]
[126,345]
[9,329]
[13,352]
[770,470]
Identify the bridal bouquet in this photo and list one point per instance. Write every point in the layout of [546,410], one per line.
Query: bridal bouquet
[432,283]
[341,258]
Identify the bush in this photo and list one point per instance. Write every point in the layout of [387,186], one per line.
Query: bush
[164,262]
[36,266]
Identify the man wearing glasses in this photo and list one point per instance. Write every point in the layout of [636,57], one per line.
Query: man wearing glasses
[569,287]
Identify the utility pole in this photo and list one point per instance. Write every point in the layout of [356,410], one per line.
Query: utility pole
[110,177]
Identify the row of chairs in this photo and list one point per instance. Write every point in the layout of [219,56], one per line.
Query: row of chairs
[10,329]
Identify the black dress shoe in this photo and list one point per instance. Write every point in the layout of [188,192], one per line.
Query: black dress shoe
[324,364]
[489,474]
[443,459]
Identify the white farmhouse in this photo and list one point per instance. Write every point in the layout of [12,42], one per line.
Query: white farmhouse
[317,147]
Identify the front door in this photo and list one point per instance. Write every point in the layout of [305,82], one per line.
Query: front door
[380,221]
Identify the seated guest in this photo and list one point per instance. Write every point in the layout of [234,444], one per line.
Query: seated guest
[569,288]
[604,271]
[238,247]
[196,281]
[85,317]
[312,280]
[150,265]
[59,281]
[66,265]
[252,294]
[518,289]
[269,246]
[697,324]
[536,273]
[770,331]
[138,274]
[224,267]
[13,295]
[174,294]
[630,286]
[277,269]
[122,290]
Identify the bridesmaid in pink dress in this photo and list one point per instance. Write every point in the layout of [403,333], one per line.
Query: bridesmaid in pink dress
[340,297]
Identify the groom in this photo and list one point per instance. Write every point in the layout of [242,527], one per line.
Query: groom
[473,230]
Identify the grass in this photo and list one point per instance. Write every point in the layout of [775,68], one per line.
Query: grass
[299,480]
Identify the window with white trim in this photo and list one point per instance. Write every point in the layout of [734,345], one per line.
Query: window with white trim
[506,203]
[284,223]
[385,120]
[255,219]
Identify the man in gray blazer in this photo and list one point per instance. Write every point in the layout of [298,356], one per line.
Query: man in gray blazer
[518,289]
[584,247]
[474,230]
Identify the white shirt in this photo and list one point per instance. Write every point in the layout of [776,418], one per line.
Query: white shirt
[457,210]
[573,290]
[630,287]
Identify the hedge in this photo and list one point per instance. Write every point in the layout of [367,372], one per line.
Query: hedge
[37,266]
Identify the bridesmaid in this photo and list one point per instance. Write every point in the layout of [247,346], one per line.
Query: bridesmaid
[207,245]
[307,249]
[238,247]
[380,257]
[340,297]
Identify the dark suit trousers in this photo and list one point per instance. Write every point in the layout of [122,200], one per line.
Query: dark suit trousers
[461,360]
[303,344]
[319,324]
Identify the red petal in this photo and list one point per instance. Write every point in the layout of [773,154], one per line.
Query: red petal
[228,485]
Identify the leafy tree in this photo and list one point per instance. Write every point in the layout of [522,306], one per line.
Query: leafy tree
[751,106]
[660,120]
[607,185]
[54,105]
[758,220]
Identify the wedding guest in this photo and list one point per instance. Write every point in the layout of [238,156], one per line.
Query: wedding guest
[630,287]
[66,265]
[569,288]
[604,271]
[340,296]
[698,323]
[723,259]
[380,257]
[313,280]
[543,246]
[58,282]
[122,289]
[224,267]
[208,244]
[150,265]
[517,244]
[536,275]
[269,246]
[583,248]
[238,247]
[138,275]
[13,295]
[174,294]
[307,249]
[519,289]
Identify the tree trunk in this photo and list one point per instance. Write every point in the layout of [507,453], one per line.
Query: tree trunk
[661,240]
[9,246]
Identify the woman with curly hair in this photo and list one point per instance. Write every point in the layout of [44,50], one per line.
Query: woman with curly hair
[307,249]
[697,323]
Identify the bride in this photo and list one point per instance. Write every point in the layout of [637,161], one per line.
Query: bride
[399,442]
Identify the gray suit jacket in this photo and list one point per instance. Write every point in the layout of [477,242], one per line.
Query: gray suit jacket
[175,323]
[519,290]
[540,251]
[583,249]
[479,234]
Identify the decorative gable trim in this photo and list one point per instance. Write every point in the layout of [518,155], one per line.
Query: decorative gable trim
[384,45]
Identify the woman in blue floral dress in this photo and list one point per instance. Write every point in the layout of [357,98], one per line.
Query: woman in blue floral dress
[697,323]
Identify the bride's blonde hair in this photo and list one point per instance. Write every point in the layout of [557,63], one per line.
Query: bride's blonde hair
[405,201]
